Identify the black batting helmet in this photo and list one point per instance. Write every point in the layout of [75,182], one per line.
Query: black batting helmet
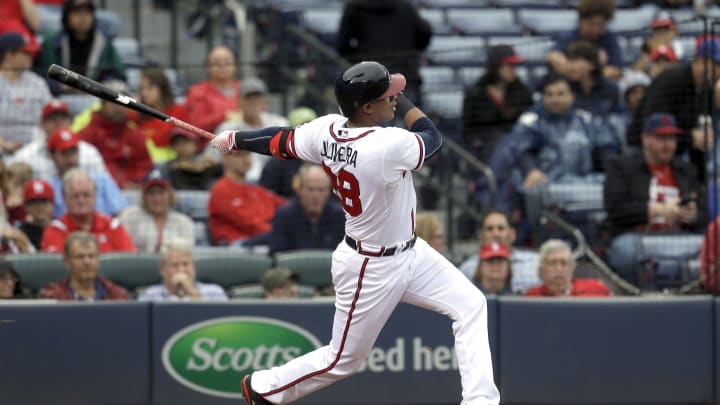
[365,82]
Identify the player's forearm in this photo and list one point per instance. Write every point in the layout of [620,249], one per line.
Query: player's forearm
[419,123]
[263,140]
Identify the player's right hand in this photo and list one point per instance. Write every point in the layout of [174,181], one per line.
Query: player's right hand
[224,142]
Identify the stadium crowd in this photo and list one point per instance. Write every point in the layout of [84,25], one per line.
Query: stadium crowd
[107,180]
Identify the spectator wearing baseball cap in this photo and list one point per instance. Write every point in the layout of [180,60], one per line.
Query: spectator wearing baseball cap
[663,33]
[24,92]
[64,147]
[493,273]
[39,202]
[280,283]
[493,104]
[189,170]
[650,191]
[79,45]
[154,220]
[55,115]
[119,141]
[254,114]
[678,90]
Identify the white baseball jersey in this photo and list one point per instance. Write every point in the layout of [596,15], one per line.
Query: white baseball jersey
[370,173]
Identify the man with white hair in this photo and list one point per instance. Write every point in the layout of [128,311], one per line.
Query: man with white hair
[557,266]
[177,268]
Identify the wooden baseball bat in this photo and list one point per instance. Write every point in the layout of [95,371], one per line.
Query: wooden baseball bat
[87,85]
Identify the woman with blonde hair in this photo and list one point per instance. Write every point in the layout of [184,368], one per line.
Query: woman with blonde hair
[430,229]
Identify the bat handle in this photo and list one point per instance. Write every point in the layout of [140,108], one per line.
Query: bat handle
[190,128]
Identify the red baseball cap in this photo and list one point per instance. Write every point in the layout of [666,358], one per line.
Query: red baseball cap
[155,179]
[663,51]
[38,190]
[663,19]
[494,249]
[55,106]
[62,139]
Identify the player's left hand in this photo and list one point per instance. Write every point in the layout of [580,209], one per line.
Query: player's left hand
[224,142]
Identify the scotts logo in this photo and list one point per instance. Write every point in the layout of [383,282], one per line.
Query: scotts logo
[212,356]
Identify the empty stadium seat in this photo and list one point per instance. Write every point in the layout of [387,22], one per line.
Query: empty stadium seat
[78,103]
[108,22]
[131,270]
[193,203]
[50,19]
[687,23]
[447,104]
[636,19]
[202,238]
[545,21]
[526,3]
[469,75]
[530,48]
[483,21]
[436,18]
[437,77]
[456,50]
[130,51]
[132,197]
[311,266]
[37,270]
[231,268]
[455,3]
[322,21]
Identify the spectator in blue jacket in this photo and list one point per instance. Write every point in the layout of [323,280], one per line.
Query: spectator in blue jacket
[593,18]
[310,221]
[557,142]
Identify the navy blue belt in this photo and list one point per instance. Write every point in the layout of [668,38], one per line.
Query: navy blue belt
[357,246]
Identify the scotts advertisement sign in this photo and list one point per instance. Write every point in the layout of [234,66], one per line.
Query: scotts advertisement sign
[212,356]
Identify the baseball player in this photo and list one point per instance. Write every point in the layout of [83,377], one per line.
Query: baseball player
[381,261]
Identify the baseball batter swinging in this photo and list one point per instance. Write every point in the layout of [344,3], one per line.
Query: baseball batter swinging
[381,261]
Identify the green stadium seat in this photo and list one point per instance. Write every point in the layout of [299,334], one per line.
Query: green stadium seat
[131,270]
[311,266]
[37,270]
[230,269]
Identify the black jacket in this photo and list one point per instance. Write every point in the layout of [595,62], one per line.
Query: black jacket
[673,91]
[484,123]
[627,191]
[390,32]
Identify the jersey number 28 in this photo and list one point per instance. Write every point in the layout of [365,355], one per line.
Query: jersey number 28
[347,189]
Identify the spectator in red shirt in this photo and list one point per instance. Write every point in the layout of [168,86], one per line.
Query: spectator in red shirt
[120,143]
[557,266]
[211,100]
[21,16]
[156,92]
[709,274]
[238,210]
[79,194]
[82,259]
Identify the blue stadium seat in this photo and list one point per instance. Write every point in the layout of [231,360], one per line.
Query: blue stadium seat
[686,22]
[78,103]
[436,18]
[322,21]
[37,270]
[437,78]
[636,19]
[532,49]
[545,21]
[526,3]
[132,197]
[193,203]
[469,75]
[483,21]
[689,44]
[455,3]
[109,22]
[50,17]
[130,51]
[231,268]
[447,104]
[131,270]
[311,266]
[201,234]
[456,50]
